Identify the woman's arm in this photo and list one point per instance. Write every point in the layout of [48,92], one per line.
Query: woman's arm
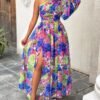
[33,21]
[69,7]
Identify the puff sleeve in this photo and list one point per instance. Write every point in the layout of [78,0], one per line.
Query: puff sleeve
[69,6]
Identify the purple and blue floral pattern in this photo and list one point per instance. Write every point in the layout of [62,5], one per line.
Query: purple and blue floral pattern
[51,37]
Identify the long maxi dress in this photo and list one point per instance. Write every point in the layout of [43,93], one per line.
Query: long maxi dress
[51,37]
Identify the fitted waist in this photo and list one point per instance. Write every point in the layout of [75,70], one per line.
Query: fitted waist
[51,24]
[50,21]
[53,19]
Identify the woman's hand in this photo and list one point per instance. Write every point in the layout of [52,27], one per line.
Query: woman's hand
[24,41]
[33,22]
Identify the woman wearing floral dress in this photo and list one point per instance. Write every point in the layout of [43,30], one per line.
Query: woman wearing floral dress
[46,56]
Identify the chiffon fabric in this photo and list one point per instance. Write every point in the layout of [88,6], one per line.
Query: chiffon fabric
[51,37]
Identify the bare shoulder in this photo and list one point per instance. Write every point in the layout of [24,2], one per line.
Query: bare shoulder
[36,2]
[36,7]
[39,2]
[42,1]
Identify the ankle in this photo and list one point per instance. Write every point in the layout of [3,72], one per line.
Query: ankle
[33,97]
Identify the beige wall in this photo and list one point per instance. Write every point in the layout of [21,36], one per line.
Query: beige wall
[79,27]
[84,33]
[98,70]
[95,57]
[23,17]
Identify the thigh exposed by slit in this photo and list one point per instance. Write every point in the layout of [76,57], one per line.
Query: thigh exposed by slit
[39,59]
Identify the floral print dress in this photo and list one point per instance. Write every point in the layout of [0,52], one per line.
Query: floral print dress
[51,37]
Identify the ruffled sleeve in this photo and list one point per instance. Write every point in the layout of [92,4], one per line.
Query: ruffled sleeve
[69,6]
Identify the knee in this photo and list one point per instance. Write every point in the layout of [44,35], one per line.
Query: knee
[38,66]
[38,69]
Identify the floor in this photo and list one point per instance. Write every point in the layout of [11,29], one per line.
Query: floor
[9,68]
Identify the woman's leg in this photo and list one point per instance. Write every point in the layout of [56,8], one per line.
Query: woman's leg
[36,76]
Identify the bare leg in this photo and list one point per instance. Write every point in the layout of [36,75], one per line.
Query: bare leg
[36,77]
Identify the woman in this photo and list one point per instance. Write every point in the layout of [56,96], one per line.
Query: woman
[46,56]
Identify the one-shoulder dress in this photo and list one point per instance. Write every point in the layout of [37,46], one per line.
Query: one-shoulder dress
[50,36]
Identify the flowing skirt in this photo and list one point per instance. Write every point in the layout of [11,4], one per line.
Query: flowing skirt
[56,78]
